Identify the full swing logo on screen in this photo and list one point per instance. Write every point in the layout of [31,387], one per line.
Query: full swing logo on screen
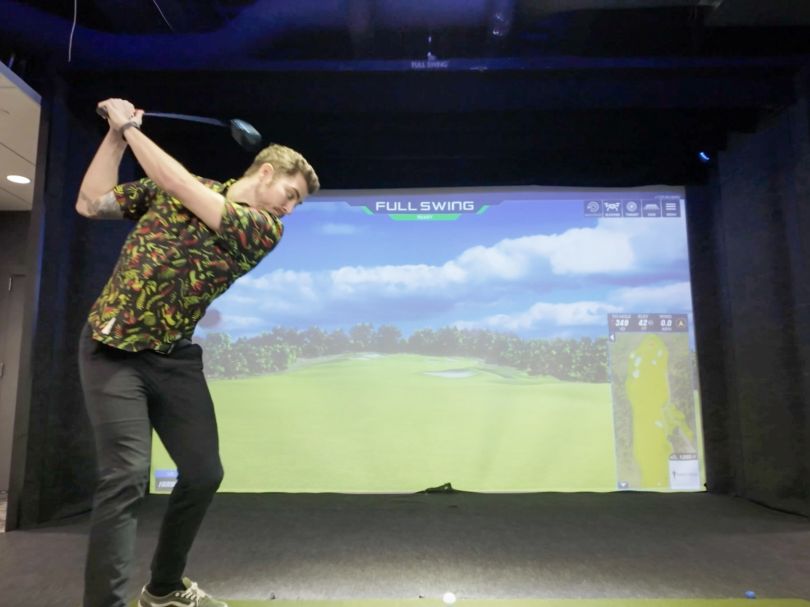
[425,207]
[510,339]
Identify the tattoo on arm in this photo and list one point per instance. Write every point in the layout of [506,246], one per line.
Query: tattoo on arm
[103,207]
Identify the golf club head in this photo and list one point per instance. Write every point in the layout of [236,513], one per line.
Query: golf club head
[245,135]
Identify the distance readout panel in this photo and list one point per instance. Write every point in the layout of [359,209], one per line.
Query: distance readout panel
[652,377]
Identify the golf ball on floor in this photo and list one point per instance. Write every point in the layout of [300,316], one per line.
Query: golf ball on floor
[449,598]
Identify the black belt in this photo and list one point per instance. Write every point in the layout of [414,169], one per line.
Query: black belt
[166,349]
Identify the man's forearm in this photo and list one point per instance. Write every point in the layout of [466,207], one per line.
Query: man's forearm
[102,174]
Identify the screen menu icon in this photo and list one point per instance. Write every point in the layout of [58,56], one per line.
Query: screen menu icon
[650,208]
[671,207]
[593,208]
[631,208]
[612,208]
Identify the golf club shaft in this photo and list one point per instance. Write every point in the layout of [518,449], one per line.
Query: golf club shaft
[187,117]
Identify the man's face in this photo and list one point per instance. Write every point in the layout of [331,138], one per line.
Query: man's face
[280,194]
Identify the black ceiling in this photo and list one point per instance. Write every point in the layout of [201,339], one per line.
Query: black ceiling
[450,91]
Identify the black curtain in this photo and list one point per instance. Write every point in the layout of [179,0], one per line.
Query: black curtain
[53,466]
[749,240]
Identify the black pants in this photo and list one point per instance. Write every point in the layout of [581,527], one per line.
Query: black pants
[126,395]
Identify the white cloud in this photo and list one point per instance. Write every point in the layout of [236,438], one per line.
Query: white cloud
[507,260]
[575,251]
[579,313]
[605,249]
[672,298]
[395,280]
[278,291]
[611,248]
[277,280]
[338,229]
[676,297]
[233,297]
[654,241]
[236,322]
[589,251]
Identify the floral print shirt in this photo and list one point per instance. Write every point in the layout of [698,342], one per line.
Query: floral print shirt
[173,265]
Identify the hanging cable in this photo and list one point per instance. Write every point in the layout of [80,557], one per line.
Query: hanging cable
[73,29]
[157,6]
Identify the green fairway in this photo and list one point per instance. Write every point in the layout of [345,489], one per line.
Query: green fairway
[401,423]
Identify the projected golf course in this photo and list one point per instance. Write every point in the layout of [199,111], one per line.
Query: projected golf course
[379,423]
[519,339]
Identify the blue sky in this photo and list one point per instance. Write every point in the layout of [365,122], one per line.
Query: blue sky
[534,265]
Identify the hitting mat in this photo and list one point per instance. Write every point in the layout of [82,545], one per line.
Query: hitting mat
[426,602]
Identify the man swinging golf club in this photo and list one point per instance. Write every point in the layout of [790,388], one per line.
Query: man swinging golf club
[139,369]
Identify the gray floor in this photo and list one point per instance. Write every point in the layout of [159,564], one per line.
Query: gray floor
[584,545]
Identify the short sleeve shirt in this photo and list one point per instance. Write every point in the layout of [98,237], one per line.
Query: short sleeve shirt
[172,265]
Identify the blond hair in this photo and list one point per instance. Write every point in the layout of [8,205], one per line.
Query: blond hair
[288,162]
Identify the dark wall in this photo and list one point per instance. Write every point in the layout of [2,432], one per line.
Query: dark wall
[14,236]
[749,238]
[53,469]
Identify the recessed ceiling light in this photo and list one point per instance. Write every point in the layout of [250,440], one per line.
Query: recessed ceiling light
[18,179]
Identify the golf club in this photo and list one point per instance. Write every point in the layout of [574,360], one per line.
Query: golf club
[243,132]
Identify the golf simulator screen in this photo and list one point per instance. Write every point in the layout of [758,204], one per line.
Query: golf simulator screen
[501,340]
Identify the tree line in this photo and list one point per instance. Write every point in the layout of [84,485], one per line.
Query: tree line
[581,360]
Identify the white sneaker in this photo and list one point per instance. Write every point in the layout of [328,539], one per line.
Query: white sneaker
[192,596]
